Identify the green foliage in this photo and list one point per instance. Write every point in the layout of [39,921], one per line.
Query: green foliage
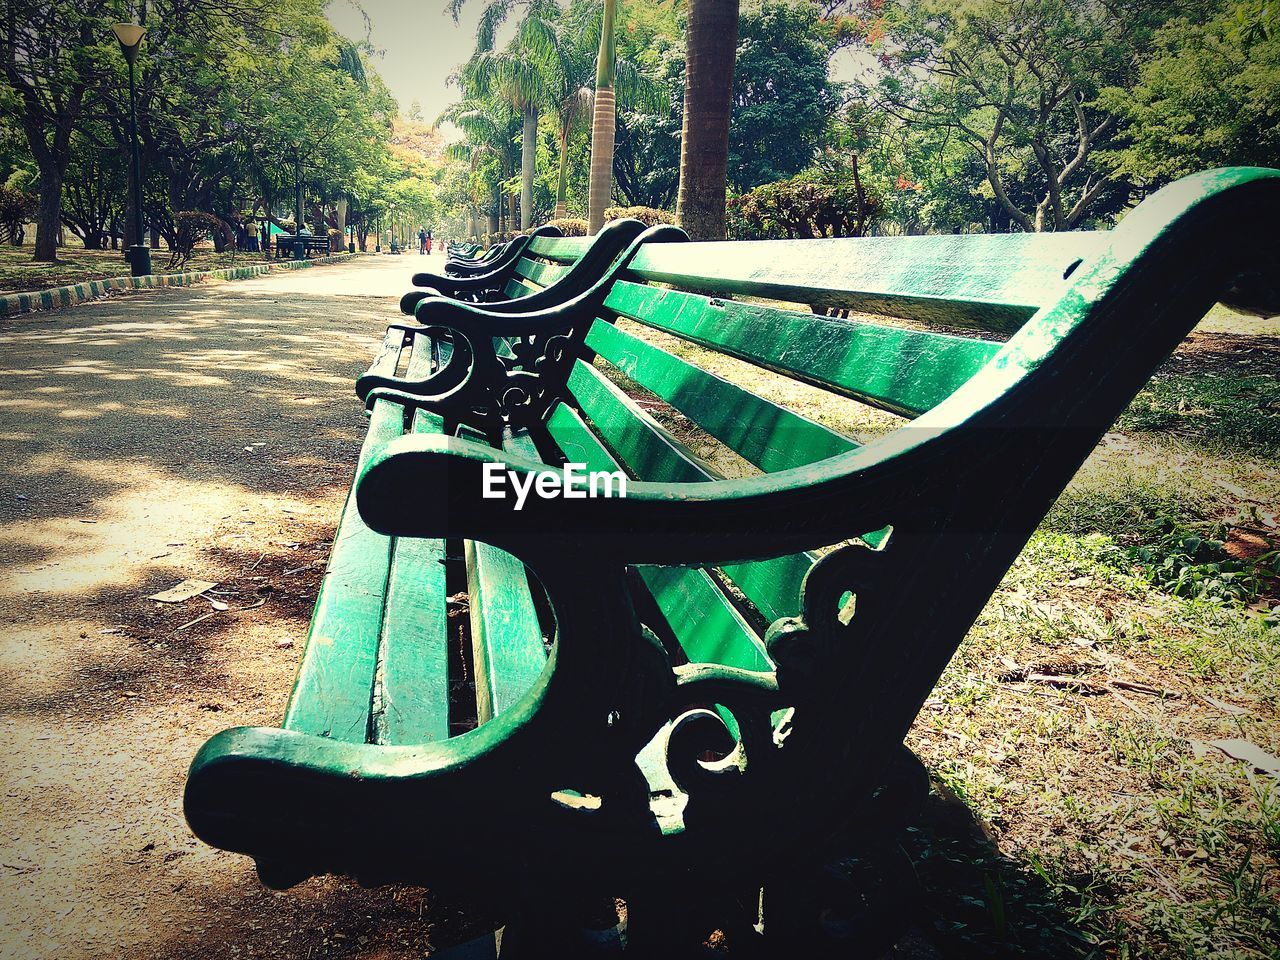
[1189,563]
[647,215]
[1232,412]
[227,97]
[16,208]
[570,226]
[782,98]
[1206,97]
[803,207]
[1019,85]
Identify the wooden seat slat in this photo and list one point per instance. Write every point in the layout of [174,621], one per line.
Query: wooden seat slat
[701,617]
[542,274]
[411,686]
[642,445]
[506,638]
[515,288]
[761,432]
[560,249]
[994,281]
[900,370]
[652,454]
[332,695]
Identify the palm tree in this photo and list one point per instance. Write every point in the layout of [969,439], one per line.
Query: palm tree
[515,77]
[512,76]
[711,45]
[572,53]
[566,55]
[603,123]
[489,125]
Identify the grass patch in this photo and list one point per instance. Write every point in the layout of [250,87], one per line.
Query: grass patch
[1225,412]
[20,274]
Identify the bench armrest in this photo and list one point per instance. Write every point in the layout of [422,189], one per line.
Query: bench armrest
[542,313]
[433,486]
[476,321]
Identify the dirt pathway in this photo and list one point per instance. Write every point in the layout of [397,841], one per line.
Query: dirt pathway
[206,432]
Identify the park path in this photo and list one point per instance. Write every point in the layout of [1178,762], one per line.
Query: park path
[205,432]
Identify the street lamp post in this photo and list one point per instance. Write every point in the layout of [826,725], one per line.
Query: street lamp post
[130,37]
[297,205]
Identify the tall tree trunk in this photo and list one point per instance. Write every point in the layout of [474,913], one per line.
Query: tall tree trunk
[604,118]
[562,186]
[48,214]
[712,48]
[528,156]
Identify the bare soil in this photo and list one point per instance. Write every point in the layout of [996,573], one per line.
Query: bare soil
[194,433]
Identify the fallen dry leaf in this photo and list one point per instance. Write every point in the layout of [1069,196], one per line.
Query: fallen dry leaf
[1250,753]
[183,591]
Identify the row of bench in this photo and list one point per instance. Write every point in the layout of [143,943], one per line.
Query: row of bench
[677,696]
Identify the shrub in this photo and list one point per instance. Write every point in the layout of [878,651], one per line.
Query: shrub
[192,226]
[16,209]
[649,216]
[570,226]
[803,207]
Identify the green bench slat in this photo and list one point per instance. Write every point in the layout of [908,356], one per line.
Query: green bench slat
[388,356]
[772,585]
[515,288]
[543,274]
[332,696]
[904,371]
[411,689]
[762,433]
[993,281]
[560,249]
[506,637]
[650,454]
[703,620]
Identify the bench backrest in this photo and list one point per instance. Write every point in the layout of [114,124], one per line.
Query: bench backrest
[677,294]
[544,261]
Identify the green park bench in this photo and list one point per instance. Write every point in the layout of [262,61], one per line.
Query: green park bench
[542,271]
[498,258]
[566,280]
[463,252]
[678,696]
[288,245]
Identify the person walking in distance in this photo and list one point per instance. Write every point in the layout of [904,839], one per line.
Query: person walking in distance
[422,240]
[428,241]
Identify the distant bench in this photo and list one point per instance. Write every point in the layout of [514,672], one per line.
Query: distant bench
[677,697]
[287,246]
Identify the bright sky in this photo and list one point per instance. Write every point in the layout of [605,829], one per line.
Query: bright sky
[419,43]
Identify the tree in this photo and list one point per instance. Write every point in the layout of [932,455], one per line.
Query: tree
[1018,82]
[490,126]
[780,84]
[52,59]
[704,146]
[517,78]
[93,189]
[603,121]
[1206,97]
